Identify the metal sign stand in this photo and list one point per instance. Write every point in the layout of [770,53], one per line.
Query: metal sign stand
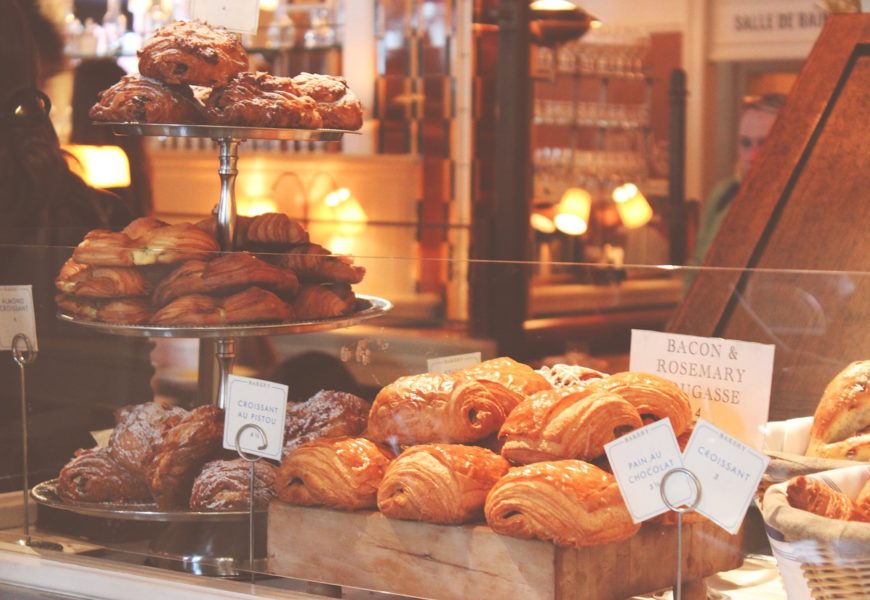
[23,358]
[251,458]
[683,508]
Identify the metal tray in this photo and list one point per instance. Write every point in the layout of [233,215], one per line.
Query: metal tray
[225,132]
[367,307]
[46,493]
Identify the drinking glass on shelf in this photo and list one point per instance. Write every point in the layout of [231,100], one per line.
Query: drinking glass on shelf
[320,32]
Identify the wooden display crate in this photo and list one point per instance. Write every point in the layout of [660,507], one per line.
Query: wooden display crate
[370,551]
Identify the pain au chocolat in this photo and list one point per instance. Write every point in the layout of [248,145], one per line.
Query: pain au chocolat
[440,483]
[192,52]
[566,423]
[342,473]
[654,397]
[94,476]
[224,485]
[137,99]
[569,502]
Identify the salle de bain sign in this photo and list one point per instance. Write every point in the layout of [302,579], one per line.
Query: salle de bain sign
[765,29]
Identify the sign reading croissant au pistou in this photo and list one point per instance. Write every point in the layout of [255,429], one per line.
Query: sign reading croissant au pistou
[728,381]
[256,408]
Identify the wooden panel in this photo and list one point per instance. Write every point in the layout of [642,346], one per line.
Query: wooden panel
[804,206]
[418,559]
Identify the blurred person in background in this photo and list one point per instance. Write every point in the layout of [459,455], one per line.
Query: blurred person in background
[78,377]
[757,117]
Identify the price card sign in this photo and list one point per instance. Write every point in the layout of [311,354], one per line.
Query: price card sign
[639,461]
[727,381]
[255,402]
[16,315]
[237,15]
[728,471]
[446,364]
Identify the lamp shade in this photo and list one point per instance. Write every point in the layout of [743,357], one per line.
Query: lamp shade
[633,208]
[572,212]
[341,209]
[101,166]
[553,22]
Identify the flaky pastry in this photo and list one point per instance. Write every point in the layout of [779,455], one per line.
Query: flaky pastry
[509,381]
[89,281]
[93,476]
[341,473]
[569,502]
[337,104]
[440,483]
[313,263]
[841,424]
[654,397]
[324,301]
[262,100]
[818,498]
[253,305]
[137,99]
[225,485]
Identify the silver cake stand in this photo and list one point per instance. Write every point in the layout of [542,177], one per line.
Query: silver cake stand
[194,541]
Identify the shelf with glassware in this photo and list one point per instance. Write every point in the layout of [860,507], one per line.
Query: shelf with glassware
[591,138]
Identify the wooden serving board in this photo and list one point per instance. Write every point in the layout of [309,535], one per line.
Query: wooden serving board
[367,550]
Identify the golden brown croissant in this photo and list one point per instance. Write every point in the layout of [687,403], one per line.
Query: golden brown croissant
[126,311]
[165,244]
[654,397]
[93,476]
[862,503]
[267,232]
[139,435]
[566,423]
[816,497]
[841,424]
[313,263]
[224,485]
[186,447]
[434,407]
[570,502]
[326,414]
[222,275]
[262,100]
[137,99]
[254,305]
[316,301]
[192,52]
[440,483]
[341,473]
[338,106]
[506,379]
[77,279]
[563,375]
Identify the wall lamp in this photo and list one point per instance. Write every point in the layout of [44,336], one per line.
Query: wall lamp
[554,22]
[325,203]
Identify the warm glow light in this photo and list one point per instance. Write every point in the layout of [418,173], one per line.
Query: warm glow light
[541,222]
[269,4]
[342,211]
[251,207]
[572,212]
[552,5]
[633,208]
[100,166]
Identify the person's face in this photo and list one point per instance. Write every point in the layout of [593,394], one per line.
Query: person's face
[754,126]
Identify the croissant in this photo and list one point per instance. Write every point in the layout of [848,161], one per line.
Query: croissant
[254,305]
[338,106]
[654,397]
[186,447]
[128,311]
[341,473]
[440,483]
[101,282]
[570,502]
[139,435]
[323,301]
[223,274]
[814,496]
[224,485]
[93,476]
[434,407]
[327,413]
[563,375]
[567,423]
[313,263]
[506,379]
[269,231]
[862,503]
[165,244]
[841,424]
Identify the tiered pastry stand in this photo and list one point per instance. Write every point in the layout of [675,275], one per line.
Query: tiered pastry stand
[212,536]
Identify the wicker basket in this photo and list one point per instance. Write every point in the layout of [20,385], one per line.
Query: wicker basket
[820,558]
